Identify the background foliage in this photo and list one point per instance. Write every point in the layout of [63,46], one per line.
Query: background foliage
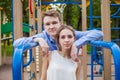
[72,14]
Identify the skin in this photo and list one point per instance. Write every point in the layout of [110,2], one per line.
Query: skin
[66,41]
[51,25]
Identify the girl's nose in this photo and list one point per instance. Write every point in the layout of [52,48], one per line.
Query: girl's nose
[66,39]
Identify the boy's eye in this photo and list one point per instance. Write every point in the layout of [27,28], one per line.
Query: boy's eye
[47,24]
[54,22]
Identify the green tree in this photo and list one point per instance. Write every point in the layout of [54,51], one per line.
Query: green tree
[7,8]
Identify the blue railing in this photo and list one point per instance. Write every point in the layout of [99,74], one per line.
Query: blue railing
[17,63]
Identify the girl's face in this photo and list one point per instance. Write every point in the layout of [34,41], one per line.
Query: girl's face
[66,39]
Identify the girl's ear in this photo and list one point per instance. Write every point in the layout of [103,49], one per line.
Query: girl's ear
[75,38]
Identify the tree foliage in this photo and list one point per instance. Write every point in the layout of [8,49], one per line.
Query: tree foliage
[7,8]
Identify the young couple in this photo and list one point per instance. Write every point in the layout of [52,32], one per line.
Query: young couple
[64,43]
[52,22]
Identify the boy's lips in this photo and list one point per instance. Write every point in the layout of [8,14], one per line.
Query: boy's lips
[52,30]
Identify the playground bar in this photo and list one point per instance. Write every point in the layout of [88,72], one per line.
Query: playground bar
[17,66]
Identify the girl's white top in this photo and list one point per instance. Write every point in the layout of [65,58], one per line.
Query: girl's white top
[61,68]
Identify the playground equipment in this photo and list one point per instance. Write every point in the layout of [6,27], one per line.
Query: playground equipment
[18,64]
[6,28]
[87,3]
[105,24]
[105,14]
[3,40]
[0,39]
[117,1]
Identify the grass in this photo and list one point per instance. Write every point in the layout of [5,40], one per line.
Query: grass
[8,49]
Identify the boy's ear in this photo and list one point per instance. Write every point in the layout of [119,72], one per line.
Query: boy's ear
[61,22]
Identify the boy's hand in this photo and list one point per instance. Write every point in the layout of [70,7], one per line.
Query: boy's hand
[74,52]
[44,46]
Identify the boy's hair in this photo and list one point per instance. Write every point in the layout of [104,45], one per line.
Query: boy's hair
[62,27]
[51,13]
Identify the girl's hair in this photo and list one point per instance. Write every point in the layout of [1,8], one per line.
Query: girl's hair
[51,13]
[62,27]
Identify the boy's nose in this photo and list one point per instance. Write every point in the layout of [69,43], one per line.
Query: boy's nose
[51,25]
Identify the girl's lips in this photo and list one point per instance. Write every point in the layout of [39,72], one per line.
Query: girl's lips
[67,45]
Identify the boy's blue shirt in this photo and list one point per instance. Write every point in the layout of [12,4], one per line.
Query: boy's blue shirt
[82,38]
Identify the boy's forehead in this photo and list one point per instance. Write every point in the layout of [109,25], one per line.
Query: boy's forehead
[49,18]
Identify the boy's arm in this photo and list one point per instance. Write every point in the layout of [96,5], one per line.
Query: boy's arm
[26,40]
[85,37]
[44,46]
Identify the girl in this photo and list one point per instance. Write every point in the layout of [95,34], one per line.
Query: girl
[58,65]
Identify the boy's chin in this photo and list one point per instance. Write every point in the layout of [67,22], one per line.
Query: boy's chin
[53,34]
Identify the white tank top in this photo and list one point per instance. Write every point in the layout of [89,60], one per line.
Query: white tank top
[61,68]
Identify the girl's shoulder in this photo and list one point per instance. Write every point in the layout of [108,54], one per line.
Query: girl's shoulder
[52,54]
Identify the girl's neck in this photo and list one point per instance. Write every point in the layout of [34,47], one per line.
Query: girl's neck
[65,53]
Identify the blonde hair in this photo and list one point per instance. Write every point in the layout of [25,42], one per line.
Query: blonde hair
[51,13]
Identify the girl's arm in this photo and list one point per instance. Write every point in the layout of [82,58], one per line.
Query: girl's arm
[45,64]
[78,71]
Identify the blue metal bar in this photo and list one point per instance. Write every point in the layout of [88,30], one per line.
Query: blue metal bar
[100,75]
[99,64]
[17,62]
[67,2]
[39,3]
[92,62]
[30,60]
[94,75]
[96,17]
[115,16]
[115,5]
[12,24]
[116,13]
[115,52]
[91,14]
[115,40]
[115,28]
[27,25]
[100,28]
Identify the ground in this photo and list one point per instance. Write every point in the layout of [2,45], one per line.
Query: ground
[6,70]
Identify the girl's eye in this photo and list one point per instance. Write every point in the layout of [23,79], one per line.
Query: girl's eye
[62,37]
[70,36]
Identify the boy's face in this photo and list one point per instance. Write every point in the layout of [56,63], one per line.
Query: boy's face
[51,25]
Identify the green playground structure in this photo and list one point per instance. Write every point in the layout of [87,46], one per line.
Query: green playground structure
[7,28]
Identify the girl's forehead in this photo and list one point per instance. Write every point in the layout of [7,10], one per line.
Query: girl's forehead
[66,31]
